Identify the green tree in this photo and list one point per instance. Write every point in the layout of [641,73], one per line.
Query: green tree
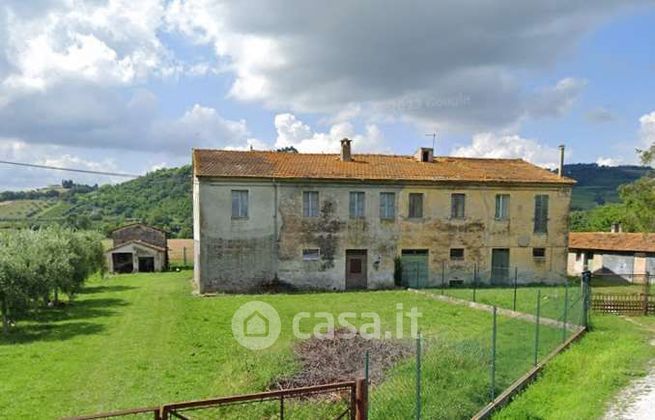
[639,202]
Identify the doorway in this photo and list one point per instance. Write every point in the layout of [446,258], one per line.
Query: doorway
[123,262]
[500,266]
[356,269]
[146,264]
[414,264]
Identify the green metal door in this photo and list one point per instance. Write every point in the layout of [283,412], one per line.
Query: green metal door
[500,266]
[414,263]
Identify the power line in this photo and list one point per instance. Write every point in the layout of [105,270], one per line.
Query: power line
[57,168]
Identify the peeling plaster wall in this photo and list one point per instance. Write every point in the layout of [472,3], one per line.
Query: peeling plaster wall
[237,255]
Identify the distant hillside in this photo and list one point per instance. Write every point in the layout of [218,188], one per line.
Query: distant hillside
[598,184]
[163,199]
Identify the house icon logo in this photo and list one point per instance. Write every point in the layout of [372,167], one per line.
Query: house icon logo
[256,325]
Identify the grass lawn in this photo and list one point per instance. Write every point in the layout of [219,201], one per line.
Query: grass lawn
[552,299]
[144,339]
[581,382]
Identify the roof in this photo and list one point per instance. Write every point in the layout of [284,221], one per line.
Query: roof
[279,165]
[605,241]
[131,225]
[138,242]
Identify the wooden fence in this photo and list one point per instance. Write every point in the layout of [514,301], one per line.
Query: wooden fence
[634,304]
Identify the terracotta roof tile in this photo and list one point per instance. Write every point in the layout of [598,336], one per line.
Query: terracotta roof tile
[258,164]
[605,241]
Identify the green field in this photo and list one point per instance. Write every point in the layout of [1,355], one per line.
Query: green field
[22,209]
[144,339]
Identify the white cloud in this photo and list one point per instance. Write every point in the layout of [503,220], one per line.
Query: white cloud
[606,161]
[293,132]
[647,129]
[490,145]
[307,57]
[106,43]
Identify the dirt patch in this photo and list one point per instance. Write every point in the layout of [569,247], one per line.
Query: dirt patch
[339,356]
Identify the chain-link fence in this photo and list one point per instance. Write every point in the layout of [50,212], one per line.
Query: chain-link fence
[454,377]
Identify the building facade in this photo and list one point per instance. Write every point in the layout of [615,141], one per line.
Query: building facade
[627,256]
[336,222]
[137,248]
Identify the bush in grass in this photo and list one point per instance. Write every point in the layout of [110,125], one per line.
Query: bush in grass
[38,265]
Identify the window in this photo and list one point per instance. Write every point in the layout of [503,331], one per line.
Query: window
[311,254]
[540,214]
[539,252]
[310,204]
[457,204]
[239,204]
[502,206]
[456,254]
[415,205]
[357,205]
[387,205]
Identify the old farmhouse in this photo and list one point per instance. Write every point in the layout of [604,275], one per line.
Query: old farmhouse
[137,248]
[347,221]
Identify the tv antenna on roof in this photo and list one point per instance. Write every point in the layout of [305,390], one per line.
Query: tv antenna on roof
[434,139]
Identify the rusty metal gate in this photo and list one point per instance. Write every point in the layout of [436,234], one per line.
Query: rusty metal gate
[342,400]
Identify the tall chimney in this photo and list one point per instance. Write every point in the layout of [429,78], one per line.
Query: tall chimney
[345,150]
[561,160]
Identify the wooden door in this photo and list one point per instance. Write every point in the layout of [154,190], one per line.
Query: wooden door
[356,264]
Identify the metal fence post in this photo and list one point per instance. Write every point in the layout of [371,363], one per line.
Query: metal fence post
[646,293]
[418,376]
[361,400]
[475,279]
[566,310]
[586,284]
[492,387]
[443,276]
[516,279]
[536,329]
[184,254]
[366,376]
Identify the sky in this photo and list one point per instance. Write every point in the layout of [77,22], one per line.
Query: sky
[132,86]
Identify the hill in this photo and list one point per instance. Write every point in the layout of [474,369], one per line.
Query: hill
[163,198]
[598,185]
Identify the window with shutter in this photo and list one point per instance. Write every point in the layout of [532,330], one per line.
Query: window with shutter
[502,206]
[387,205]
[457,206]
[415,205]
[541,214]
[357,205]
[310,204]
[239,204]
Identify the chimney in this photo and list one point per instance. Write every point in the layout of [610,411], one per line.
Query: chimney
[425,154]
[345,150]
[617,228]
[561,161]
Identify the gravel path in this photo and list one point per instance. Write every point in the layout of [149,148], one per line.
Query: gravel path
[637,401]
